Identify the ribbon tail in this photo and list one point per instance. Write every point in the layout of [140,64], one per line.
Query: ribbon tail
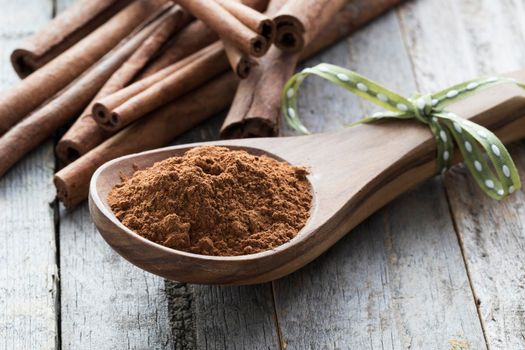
[485,156]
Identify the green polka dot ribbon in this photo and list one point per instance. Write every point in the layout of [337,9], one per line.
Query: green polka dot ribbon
[484,154]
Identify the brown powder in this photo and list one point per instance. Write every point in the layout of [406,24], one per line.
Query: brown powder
[215,201]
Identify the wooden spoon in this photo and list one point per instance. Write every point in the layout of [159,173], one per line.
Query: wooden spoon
[353,173]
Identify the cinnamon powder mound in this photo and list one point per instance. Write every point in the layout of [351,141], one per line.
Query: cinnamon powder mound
[215,201]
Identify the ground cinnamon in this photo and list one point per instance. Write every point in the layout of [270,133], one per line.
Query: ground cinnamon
[215,201]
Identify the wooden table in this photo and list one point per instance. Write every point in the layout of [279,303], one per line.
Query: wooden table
[442,267]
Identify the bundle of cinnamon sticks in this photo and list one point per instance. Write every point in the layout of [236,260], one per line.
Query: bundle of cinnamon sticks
[131,75]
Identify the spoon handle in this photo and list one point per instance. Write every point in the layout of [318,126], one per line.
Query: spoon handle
[358,170]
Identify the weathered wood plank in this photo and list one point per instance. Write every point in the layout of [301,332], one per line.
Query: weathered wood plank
[235,317]
[493,240]
[494,32]
[106,302]
[437,44]
[29,276]
[398,281]
[492,233]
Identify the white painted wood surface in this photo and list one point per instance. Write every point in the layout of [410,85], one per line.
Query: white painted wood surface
[492,233]
[105,302]
[401,280]
[28,276]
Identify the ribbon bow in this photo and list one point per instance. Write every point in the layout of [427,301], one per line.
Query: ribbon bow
[494,173]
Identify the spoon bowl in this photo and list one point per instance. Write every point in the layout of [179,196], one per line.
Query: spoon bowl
[352,173]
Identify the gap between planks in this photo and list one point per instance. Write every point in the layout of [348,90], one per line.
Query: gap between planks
[467,269]
[56,222]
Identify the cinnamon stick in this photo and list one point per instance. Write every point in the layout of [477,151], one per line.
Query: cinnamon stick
[255,108]
[29,93]
[299,21]
[227,26]
[191,39]
[176,19]
[153,131]
[37,127]
[179,82]
[81,137]
[103,108]
[85,134]
[262,24]
[253,19]
[251,114]
[255,111]
[241,64]
[289,32]
[65,30]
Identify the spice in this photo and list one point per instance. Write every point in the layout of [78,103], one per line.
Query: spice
[103,108]
[28,94]
[64,31]
[153,131]
[215,201]
[255,108]
[183,113]
[37,127]
[179,82]
[85,134]
[228,26]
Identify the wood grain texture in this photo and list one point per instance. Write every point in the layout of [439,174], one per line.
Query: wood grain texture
[493,239]
[491,233]
[399,273]
[235,317]
[29,274]
[106,303]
